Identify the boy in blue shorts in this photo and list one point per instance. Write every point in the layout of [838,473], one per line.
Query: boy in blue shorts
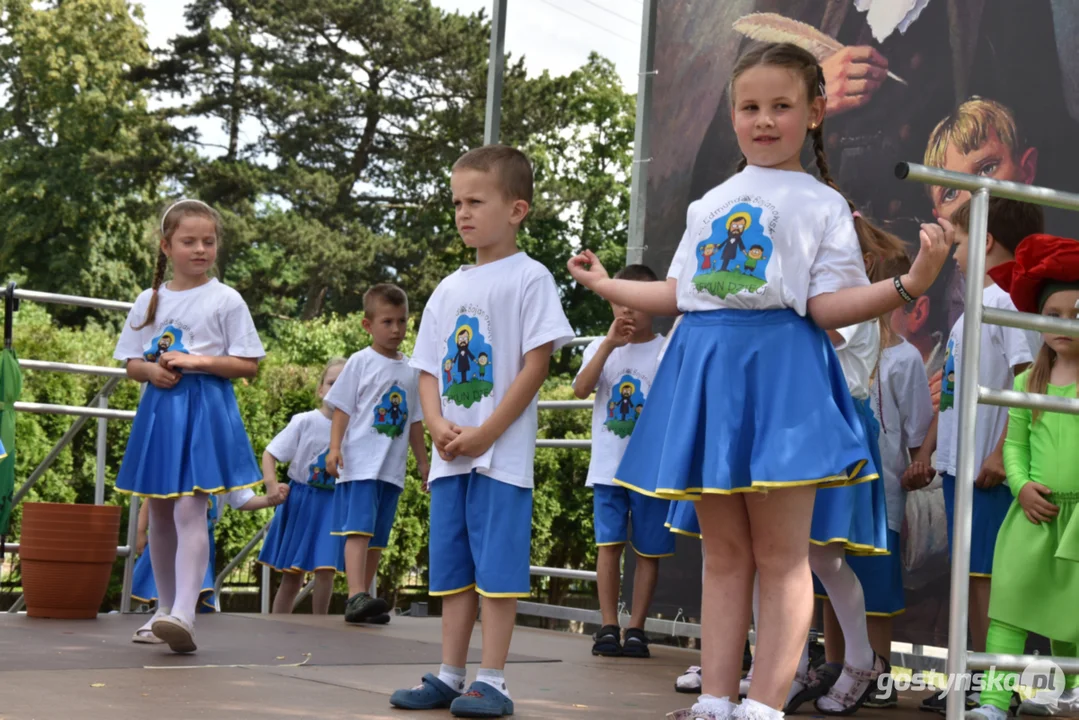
[497,323]
[619,368]
[1005,353]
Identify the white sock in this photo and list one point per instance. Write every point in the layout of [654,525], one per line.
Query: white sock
[452,676]
[717,707]
[192,554]
[753,710]
[829,564]
[494,678]
[1069,699]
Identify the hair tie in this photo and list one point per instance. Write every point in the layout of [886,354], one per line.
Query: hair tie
[181,201]
[856,214]
[821,89]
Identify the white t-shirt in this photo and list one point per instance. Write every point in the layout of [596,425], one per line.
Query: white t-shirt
[621,394]
[304,444]
[1002,349]
[235,499]
[858,355]
[766,239]
[382,399]
[904,409]
[211,319]
[476,329]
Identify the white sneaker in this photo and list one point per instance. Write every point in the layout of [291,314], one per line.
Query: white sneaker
[1043,704]
[986,712]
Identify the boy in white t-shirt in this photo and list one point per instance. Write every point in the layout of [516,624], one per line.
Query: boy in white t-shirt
[497,323]
[1005,352]
[377,416]
[620,368]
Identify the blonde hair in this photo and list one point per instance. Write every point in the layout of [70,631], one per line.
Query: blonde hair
[170,221]
[1038,377]
[334,362]
[968,128]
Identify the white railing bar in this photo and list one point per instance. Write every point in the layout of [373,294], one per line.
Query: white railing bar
[77,300]
[1030,401]
[63,367]
[567,404]
[90,412]
[674,628]
[582,341]
[121,550]
[1019,663]
[1029,321]
[567,573]
[997,188]
[565,444]
[235,562]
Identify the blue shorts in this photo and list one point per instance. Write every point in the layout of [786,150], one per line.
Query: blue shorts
[613,507]
[481,537]
[365,507]
[989,508]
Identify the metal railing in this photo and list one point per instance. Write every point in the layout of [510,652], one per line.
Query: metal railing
[971,393]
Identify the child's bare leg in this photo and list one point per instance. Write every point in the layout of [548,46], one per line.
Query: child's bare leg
[608,580]
[356,563]
[287,592]
[644,586]
[499,616]
[323,592]
[374,555]
[978,608]
[880,635]
[458,620]
[728,592]
[834,647]
[779,523]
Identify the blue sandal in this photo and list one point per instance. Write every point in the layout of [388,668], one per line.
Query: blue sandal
[431,694]
[482,701]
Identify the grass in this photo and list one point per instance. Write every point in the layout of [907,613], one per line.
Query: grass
[389,429]
[724,283]
[621,428]
[469,393]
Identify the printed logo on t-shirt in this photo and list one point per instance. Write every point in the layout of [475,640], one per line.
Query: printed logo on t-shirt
[391,414]
[467,369]
[733,258]
[947,380]
[625,406]
[317,477]
[171,339]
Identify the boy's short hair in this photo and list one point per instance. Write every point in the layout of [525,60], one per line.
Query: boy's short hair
[513,168]
[1009,221]
[968,127]
[639,273]
[384,293]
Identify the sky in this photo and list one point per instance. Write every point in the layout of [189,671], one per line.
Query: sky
[552,35]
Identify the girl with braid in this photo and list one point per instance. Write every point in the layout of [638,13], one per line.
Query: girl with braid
[187,441]
[778,421]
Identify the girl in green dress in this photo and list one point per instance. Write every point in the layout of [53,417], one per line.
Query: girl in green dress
[1036,562]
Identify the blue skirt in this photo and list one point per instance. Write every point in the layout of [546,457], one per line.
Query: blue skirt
[682,519]
[299,538]
[144,588]
[746,400]
[856,515]
[188,439]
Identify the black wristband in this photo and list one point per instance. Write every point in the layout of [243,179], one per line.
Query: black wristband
[902,290]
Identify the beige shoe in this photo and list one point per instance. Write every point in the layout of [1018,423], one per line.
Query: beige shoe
[179,635]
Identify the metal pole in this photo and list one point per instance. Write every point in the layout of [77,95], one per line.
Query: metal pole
[265,599]
[1000,188]
[220,579]
[102,451]
[129,561]
[642,147]
[964,481]
[302,595]
[496,71]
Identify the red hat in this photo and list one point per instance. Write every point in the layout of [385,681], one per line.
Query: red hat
[1039,260]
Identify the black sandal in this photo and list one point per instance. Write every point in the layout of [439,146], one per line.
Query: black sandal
[818,681]
[608,641]
[636,644]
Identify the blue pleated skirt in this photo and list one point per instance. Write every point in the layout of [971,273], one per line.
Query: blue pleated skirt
[299,538]
[856,515]
[144,588]
[682,519]
[746,400]
[188,439]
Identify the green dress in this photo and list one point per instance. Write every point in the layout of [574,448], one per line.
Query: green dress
[1036,567]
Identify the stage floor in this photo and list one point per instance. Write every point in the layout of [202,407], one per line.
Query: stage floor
[301,666]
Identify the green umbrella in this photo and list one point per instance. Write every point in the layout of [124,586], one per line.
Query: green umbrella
[10,388]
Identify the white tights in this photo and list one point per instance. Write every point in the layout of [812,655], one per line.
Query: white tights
[179,552]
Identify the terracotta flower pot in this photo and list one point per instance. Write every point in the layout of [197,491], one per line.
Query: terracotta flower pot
[67,552]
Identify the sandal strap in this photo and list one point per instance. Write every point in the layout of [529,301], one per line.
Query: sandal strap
[863,680]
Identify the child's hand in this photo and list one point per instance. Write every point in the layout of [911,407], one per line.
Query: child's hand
[280,494]
[140,543]
[934,389]
[442,434]
[162,378]
[586,269]
[620,332]
[471,442]
[334,463]
[425,472]
[174,359]
[917,476]
[992,472]
[1036,507]
[937,240]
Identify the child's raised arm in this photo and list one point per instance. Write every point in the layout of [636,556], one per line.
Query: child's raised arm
[269,473]
[654,298]
[617,336]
